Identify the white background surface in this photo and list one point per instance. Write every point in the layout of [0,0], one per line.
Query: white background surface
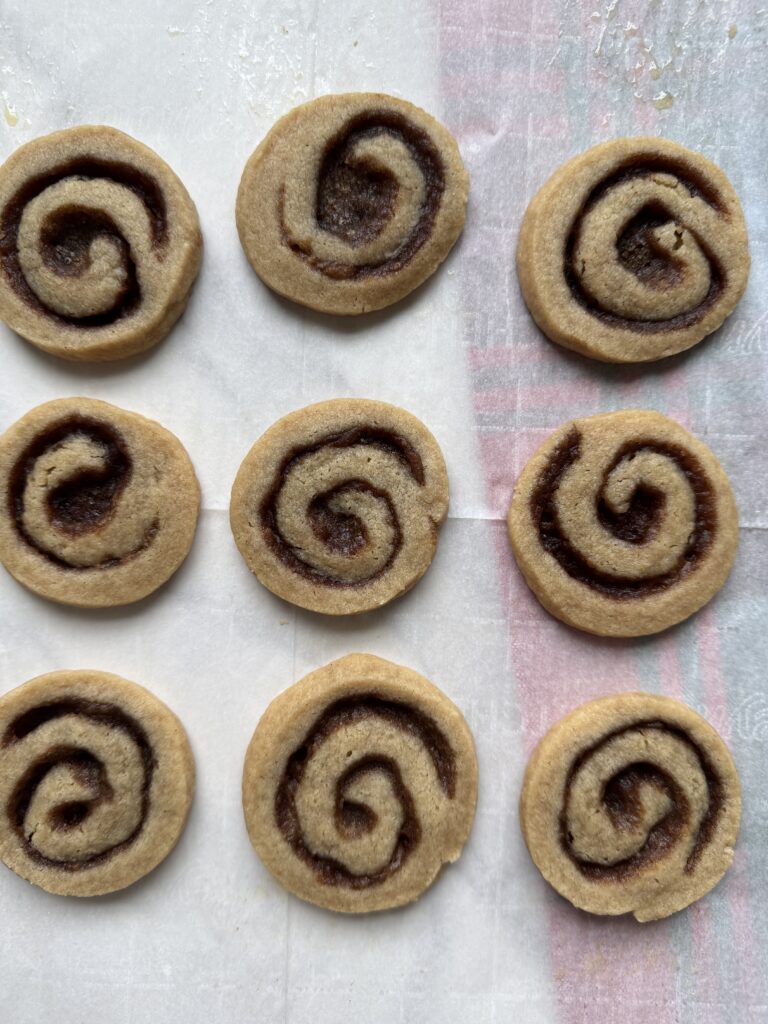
[209,936]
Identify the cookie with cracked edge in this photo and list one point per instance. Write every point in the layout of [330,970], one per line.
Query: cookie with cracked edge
[360,783]
[99,505]
[633,251]
[631,804]
[337,507]
[351,201]
[96,782]
[623,523]
[99,244]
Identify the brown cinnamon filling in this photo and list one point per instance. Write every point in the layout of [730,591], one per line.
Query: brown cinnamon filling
[341,532]
[68,234]
[355,198]
[621,799]
[89,499]
[638,251]
[353,819]
[635,526]
[89,771]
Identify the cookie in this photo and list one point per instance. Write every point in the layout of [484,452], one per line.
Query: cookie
[98,506]
[631,804]
[623,524]
[336,508]
[633,251]
[99,244]
[96,781]
[351,202]
[359,784]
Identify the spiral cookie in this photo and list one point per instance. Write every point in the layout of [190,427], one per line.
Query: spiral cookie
[99,244]
[631,804]
[337,507]
[359,784]
[633,251]
[623,524]
[96,781]
[99,505]
[351,202]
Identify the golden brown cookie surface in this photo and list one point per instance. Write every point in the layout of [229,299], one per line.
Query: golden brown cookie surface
[360,783]
[633,250]
[624,523]
[337,507]
[351,202]
[631,804]
[99,244]
[96,781]
[99,505]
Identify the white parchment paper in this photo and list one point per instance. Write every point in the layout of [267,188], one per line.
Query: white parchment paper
[209,937]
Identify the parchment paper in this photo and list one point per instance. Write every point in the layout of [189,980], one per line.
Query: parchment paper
[209,937]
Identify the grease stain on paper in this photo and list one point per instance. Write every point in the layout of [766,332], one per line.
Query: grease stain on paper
[10,115]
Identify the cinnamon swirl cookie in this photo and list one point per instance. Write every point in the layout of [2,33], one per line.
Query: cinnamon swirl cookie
[360,783]
[96,781]
[337,507]
[99,244]
[633,251]
[99,505]
[623,524]
[351,202]
[631,804]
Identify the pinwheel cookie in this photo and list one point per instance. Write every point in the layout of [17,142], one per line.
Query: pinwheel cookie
[96,781]
[360,783]
[631,804]
[100,504]
[624,523]
[99,244]
[632,251]
[337,506]
[351,202]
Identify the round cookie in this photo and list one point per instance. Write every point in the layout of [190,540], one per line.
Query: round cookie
[98,506]
[351,202]
[624,523]
[631,804]
[337,507]
[360,783]
[99,244]
[633,251]
[96,781]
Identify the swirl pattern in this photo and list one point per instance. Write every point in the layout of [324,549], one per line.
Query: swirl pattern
[633,251]
[92,493]
[359,784]
[99,244]
[351,202]
[631,803]
[623,524]
[353,819]
[83,760]
[337,506]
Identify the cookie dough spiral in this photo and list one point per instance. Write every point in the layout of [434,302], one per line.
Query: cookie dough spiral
[336,508]
[623,523]
[351,201]
[631,804]
[359,784]
[99,244]
[101,503]
[88,797]
[634,250]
